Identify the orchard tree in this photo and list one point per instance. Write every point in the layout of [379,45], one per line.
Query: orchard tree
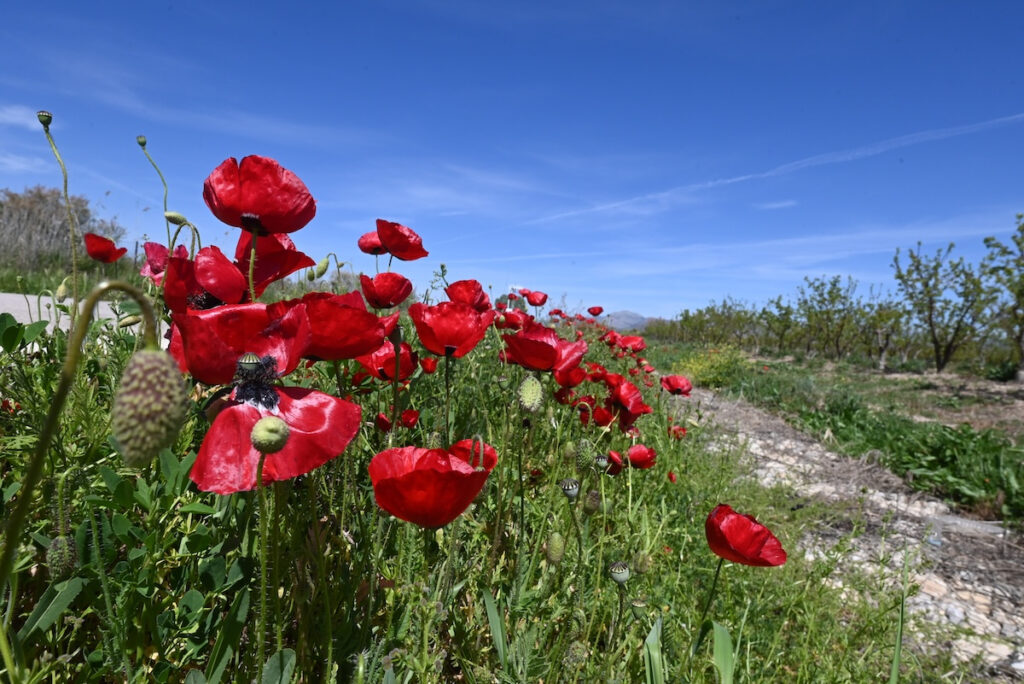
[828,308]
[34,228]
[1005,265]
[947,297]
[882,320]
[779,319]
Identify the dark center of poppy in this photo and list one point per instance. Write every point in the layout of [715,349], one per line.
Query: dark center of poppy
[251,222]
[254,377]
[449,349]
[202,301]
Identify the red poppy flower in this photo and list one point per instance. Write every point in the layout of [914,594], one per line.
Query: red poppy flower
[381,363]
[676,431]
[402,242]
[631,343]
[276,258]
[409,418]
[156,260]
[641,456]
[469,292]
[259,195]
[385,290]
[571,377]
[208,281]
[382,422]
[369,243]
[449,328]
[595,311]
[534,347]
[212,341]
[103,249]
[625,400]
[320,427]
[672,477]
[536,298]
[431,487]
[676,384]
[513,319]
[341,326]
[741,539]
[615,463]
[428,364]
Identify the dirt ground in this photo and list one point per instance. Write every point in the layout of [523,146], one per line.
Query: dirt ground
[969,573]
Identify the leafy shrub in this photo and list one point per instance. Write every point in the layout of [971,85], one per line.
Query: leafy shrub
[714,368]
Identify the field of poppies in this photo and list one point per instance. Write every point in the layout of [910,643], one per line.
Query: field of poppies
[355,486]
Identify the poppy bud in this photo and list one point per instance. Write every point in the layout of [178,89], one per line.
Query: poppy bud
[321,267]
[61,558]
[619,572]
[141,139]
[269,434]
[129,321]
[310,275]
[45,118]
[569,452]
[531,394]
[592,502]
[62,290]
[639,608]
[175,218]
[149,406]
[555,548]
[570,487]
[642,562]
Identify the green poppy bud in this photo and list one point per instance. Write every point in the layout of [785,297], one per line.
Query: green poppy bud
[149,406]
[531,394]
[141,139]
[175,218]
[61,558]
[321,267]
[555,548]
[592,502]
[269,434]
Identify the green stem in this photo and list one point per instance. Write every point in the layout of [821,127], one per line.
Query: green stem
[12,530]
[261,627]
[72,235]
[115,626]
[252,267]
[142,143]
[704,613]
[275,540]
[447,398]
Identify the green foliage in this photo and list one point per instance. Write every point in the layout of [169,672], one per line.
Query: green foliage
[714,368]
[980,469]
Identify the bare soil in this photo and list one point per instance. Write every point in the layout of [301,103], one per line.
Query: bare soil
[968,574]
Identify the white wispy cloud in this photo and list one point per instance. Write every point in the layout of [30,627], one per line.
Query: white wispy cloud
[650,201]
[15,163]
[19,116]
[781,204]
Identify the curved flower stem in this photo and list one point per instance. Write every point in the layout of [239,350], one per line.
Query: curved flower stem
[447,398]
[72,235]
[196,239]
[261,626]
[697,640]
[12,530]
[142,143]
[252,267]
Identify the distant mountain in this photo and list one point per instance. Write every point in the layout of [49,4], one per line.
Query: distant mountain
[625,320]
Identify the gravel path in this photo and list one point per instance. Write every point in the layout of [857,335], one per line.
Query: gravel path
[969,573]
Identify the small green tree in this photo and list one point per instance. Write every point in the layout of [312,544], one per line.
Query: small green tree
[827,308]
[948,297]
[779,320]
[1005,264]
[881,318]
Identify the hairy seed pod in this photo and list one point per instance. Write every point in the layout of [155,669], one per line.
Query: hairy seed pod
[175,218]
[592,502]
[642,562]
[555,548]
[61,558]
[531,394]
[149,406]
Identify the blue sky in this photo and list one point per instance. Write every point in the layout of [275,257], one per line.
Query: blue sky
[641,155]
